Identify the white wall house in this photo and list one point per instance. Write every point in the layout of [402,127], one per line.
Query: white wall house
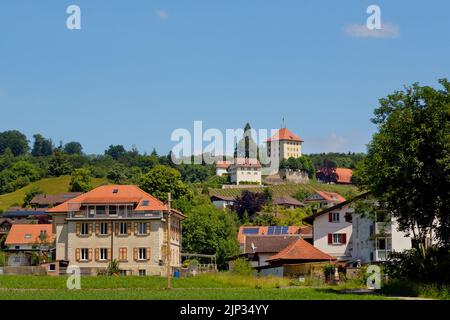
[332,230]
[245,170]
[222,168]
[374,238]
[223,202]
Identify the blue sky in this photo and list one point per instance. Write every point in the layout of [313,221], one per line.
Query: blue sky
[137,70]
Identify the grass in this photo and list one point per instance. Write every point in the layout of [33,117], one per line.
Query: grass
[291,189]
[413,289]
[48,185]
[221,286]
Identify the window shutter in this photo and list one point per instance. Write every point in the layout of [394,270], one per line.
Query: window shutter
[135,254]
[90,229]
[136,225]
[78,227]
[109,254]
[97,228]
[97,255]
[330,216]
[90,255]
[77,254]
[330,238]
[149,225]
[109,228]
[129,228]
[117,228]
[125,254]
[148,253]
[344,238]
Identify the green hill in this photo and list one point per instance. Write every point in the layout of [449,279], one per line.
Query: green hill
[290,189]
[49,186]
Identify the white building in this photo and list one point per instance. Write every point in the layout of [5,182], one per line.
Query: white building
[223,202]
[222,168]
[324,199]
[245,170]
[285,144]
[374,238]
[332,230]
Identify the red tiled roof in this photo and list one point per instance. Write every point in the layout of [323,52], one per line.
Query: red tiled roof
[286,135]
[223,164]
[287,200]
[106,194]
[268,244]
[28,234]
[300,250]
[344,175]
[50,199]
[329,196]
[246,162]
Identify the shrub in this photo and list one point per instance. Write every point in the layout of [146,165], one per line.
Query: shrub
[242,267]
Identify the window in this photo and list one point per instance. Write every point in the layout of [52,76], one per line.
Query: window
[337,238]
[142,273]
[103,228]
[84,231]
[123,254]
[100,210]
[28,236]
[142,253]
[143,228]
[112,210]
[52,267]
[335,217]
[123,228]
[91,211]
[84,254]
[123,273]
[103,254]
[121,210]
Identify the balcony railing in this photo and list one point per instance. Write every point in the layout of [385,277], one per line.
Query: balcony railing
[122,215]
[382,255]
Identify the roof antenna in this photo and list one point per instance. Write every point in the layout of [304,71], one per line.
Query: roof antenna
[283,125]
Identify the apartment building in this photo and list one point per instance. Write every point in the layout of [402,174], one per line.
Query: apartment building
[116,222]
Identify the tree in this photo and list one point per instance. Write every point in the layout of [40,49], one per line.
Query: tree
[246,147]
[80,181]
[208,230]
[408,163]
[116,151]
[30,194]
[161,180]
[14,140]
[59,164]
[250,202]
[6,159]
[327,173]
[73,148]
[41,147]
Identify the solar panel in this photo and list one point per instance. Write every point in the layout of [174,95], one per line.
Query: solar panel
[251,230]
[277,230]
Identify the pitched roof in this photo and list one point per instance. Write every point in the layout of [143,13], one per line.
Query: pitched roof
[268,244]
[329,196]
[114,194]
[223,164]
[288,200]
[344,175]
[284,134]
[52,199]
[222,198]
[300,250]
[246,162]
[23,212]
[304,231]
[28,234]
[311,218]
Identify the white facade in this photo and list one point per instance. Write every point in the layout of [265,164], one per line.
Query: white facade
[220,171]
[373,241]
[334,237]
[240,174]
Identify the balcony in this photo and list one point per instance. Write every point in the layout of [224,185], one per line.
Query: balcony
[113,215]
[383,228]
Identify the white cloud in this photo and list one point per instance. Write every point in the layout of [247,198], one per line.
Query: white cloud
[162,14]
[388,30]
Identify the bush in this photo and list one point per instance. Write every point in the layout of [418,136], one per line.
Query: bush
[414,289]
[242,267]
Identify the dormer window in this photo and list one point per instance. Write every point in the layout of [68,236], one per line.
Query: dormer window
[28,236]
[145,203]
[116,191]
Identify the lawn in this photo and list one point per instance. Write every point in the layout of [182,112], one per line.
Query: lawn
[205,287]
[290,189]
[49,186]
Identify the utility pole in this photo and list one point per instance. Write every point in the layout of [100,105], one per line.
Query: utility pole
[168,255]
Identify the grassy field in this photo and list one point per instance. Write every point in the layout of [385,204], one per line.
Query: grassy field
[291,189]
[206,287]
[49,185]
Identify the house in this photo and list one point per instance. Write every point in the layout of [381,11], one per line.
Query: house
[24,240]
[245,171]
[285,144]
[222,168]
[332,229]
[375,237]
[117,222]
[258,249]
[222,202]
[324,199]
[5,226]
[304,231]
[26,214]
[344,175]
[287,202]
[49,200]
